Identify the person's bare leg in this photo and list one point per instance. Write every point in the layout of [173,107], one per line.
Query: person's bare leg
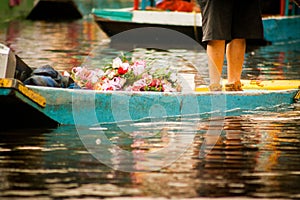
[235,54]
[216,53]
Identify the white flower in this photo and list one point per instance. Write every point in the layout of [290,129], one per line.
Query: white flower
[122,81]
[140,76]
[173,77]
[147,76]
[93,77]
[117,62]
[99,72]
[125,66]
[111,74]
[168,88]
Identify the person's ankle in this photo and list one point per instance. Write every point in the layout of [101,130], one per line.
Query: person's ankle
[213,87]
[235,86]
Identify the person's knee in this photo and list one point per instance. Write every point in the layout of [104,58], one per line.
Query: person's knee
[238,41]
[216,43]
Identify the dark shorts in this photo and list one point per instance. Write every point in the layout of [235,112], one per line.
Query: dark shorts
[231,19]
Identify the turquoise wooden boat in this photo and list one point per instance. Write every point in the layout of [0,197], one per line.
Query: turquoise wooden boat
[85,6]
[42,106]
[282,27]
[12,11]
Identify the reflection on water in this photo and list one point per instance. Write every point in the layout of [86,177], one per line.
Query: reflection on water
[62,45]
[257,153]
[254,156]
[251,158]
[274,62]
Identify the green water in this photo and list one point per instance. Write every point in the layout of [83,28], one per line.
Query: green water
[19,11]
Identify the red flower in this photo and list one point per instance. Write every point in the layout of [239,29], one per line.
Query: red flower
[121,71]
[153,83]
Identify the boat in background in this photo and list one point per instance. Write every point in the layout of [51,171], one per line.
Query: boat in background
[85,6]
[125,20]
[55,10]
[10,9]
[280,27]
[115,21]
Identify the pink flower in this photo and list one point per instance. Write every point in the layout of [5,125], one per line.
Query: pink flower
[121,76]
[89,85]
[138,85]
[116,83]
[154,83]
[138,67]
[106,85]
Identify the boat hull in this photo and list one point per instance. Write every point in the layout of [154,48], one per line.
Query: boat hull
[116,21]
[89,107]
[282,29]
[36,106]
[118,30]
[55,10]
[22,107]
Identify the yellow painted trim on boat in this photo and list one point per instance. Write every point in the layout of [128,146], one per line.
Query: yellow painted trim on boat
[270,84]
[17,85]
[261,85]
[6,83]
[297,97]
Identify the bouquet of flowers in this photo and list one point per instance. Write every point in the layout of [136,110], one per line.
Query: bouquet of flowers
[122,74]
